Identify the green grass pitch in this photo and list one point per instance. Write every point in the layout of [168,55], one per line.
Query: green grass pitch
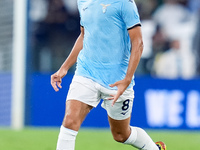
[91,139]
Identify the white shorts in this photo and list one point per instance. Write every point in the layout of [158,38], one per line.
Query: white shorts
[90,92]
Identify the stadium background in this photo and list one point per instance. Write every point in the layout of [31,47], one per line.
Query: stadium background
[167,89]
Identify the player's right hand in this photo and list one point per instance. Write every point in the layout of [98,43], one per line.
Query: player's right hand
[56,80]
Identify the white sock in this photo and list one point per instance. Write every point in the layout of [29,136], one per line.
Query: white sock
[66,139]
[140,139]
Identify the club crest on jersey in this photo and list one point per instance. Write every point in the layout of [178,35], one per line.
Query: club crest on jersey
[104,7]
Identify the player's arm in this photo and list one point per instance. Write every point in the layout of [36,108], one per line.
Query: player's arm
[56,78]
[136,52]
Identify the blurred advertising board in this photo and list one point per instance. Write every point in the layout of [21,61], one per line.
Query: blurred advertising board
[158,104]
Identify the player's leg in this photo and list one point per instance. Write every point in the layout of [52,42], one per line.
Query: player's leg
[75,113]
[120,129]
[122,132]
[81,98]
[119,119]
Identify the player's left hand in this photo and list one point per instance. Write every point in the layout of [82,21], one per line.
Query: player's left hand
[121,87]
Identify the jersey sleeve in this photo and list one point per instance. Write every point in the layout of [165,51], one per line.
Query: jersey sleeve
[80,7]
[130,14]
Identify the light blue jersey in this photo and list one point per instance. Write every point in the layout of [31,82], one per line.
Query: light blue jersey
[106,46]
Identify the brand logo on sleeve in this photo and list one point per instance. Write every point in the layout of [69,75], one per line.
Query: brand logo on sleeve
[85,8]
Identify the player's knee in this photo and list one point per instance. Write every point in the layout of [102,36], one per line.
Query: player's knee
[119,137]
[71,123]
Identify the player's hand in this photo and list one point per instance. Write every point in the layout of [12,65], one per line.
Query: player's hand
[56,79]
[121,87]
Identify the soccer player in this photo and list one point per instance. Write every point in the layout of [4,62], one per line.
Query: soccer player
[107,52]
